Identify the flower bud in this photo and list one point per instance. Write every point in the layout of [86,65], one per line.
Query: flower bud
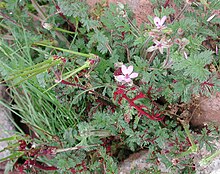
[180,31]
[47,26]
[177,41]
[121,6]
[185,41]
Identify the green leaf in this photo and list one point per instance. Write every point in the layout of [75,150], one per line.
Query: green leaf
[14,155]
[90,24]
[74,9]
[100,40]
[194,66]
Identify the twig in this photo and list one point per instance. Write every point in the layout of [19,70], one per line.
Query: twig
[84,88]
[167,57]
[39,10]
[152,57]
[133,26]
[128,53]
[75,148]
[210,158]
[166,3]
[186,6]
[44,17]
[64,17]
[109,48]
[8,18]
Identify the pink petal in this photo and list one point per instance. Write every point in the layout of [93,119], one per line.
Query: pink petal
[127,80]
[185,55]
[123,69]
[120,78]
[133,75]
[126,70]
[157,42]
[163,20]
[157,21]
[152,48]
[130,69]
[161,50]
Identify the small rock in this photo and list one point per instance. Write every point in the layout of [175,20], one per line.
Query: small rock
[6,127]
[138,161]
[207,110]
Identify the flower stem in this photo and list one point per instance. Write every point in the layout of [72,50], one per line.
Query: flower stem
[181,12]
[63,30]
[193,148]
[208,159]
[75,148]
[65,50]
[70,73]
[152,57]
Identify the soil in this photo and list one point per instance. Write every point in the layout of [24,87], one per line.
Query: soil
[206,111]
[140,8]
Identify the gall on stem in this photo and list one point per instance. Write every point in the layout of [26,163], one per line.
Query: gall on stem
[121,93]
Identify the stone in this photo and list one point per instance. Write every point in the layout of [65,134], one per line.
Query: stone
[6,127]
[207,110]
[137,161]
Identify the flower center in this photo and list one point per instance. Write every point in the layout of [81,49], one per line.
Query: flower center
[127,76]
[160,45]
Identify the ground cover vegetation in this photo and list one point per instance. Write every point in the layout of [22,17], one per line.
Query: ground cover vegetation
[92,87]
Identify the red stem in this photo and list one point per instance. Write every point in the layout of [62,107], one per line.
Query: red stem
[64,17]
[38,165]
[207,83]
[142,112]
[84,88]
[166,3]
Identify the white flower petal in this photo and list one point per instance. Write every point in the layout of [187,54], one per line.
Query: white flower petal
[127,80]
[163,20]
[152,48]
[130,70]
[161,50]
[157,21]
[120,78]
[211,17]
[185,55]
[133,75]
[165,46]
[156,42]
[124,69]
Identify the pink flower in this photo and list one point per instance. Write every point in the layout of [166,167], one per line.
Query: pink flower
[127,74]
[160,45]
[160,22]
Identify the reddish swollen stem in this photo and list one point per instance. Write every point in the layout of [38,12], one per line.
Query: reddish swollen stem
[73,84]
[82,87]
[43,167]
[149,91]
[142,112]
[73,171]
[121,91]
[166,3]
[139,96]
[64,17]
[207,83]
